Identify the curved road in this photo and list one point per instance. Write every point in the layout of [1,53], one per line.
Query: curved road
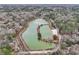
[25,49]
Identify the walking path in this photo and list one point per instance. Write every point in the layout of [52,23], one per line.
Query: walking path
[26,50]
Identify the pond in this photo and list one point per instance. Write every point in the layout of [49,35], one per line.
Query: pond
[30,35]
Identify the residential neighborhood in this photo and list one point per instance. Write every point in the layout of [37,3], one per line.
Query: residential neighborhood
[18,29]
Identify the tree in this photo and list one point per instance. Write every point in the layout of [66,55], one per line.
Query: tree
[7,50]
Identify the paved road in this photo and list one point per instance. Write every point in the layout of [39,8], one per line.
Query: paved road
[40,52]
[25,50]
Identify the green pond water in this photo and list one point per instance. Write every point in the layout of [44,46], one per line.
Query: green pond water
[30,35]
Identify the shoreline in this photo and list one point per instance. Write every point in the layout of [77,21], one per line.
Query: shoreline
[24,47]
[21,43]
